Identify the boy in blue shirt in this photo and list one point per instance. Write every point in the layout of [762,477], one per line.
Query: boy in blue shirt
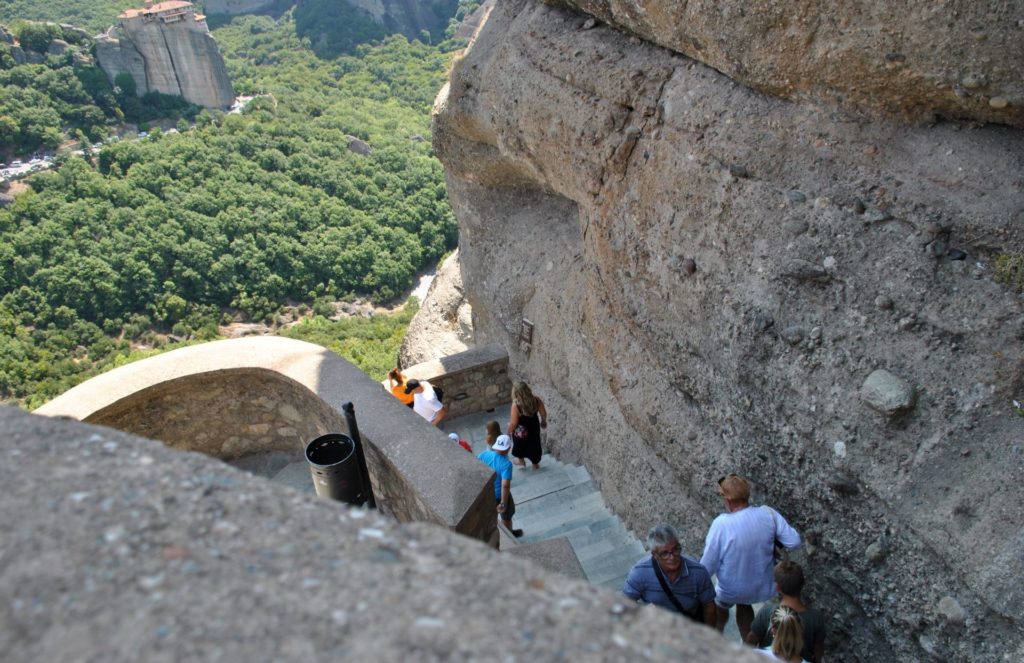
[497,459]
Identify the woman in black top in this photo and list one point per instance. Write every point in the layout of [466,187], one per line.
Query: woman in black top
[525,421]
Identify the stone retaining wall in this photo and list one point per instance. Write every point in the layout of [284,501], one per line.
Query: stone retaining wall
[473,381]
[233,398]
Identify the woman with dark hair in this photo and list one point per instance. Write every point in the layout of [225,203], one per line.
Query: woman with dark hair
[527,418]
[396,382]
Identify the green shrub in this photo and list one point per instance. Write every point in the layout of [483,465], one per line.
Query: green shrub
[1009,270]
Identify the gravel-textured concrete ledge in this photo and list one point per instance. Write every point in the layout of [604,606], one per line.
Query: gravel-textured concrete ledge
[232,398]
[117,548]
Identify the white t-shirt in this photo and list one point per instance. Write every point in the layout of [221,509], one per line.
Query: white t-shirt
[425,403]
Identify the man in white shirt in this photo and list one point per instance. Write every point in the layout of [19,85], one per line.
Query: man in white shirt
[740,550]
[425,401]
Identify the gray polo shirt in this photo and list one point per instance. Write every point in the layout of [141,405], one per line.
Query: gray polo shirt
[693,588]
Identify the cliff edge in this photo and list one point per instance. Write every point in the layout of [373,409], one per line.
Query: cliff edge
[167,48]
[722,280]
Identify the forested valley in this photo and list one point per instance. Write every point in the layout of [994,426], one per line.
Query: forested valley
[323,189]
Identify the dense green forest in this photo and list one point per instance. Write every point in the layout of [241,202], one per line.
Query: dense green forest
[67,96]
[94,16]
[372,344]
[236,214]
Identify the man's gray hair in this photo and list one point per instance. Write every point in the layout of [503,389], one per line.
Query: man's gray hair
[661,534]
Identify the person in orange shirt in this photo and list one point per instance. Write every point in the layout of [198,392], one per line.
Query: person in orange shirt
[396,382]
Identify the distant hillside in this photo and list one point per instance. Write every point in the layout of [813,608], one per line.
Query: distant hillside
[324,188]
[94,16]
[51,91]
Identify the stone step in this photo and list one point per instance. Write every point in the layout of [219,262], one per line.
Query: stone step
[614,564]
[589,545]
[561,499]
[565,518]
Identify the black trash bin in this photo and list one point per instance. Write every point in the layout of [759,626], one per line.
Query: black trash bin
[335,469]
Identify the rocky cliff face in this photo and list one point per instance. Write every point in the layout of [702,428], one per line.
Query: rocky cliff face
[914,59]
[717,276]
[444,324]
[412,17]
[179,58]
[409,17]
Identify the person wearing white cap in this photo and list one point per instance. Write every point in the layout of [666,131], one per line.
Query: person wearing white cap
[454,437]
[497,459]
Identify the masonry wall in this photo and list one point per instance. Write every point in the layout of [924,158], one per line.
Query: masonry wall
[229,399]
[473,381]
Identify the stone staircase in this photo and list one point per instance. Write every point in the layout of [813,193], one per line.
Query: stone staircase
[561,499]
[557,500]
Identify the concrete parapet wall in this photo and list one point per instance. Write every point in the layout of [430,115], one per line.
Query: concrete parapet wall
[473,381]
[232,398]
[116,548]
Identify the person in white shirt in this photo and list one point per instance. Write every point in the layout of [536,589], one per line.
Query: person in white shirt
[425,401]
[740,550]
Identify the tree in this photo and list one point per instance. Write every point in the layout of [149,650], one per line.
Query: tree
[37,36]
[124,82]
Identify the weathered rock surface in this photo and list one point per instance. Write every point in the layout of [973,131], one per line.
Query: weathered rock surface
[887,393]
[359,146]
[410,17]
[179,58]
[916,59]
[444,324]
[585,166]
[470,24]
[114,545]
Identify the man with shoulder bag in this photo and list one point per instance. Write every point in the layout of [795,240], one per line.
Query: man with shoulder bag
[671,580]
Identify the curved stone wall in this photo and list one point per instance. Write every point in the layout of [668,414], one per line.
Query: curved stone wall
[233,398]
[256,410]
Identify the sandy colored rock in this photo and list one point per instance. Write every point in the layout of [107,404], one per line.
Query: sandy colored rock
[905,59]
[172,53]
[444,324]
[581,162]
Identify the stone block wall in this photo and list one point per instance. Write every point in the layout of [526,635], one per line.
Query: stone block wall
[473,381]
[256,410]
[233,398]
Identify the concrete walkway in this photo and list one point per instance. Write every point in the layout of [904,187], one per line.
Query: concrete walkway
[560,499]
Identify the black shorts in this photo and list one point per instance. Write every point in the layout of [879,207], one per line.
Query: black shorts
[510,508]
